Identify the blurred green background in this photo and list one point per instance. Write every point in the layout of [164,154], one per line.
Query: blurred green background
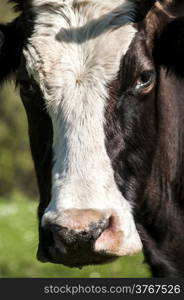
[18,194]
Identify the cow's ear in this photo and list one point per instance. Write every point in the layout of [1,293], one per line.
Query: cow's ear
[169,47]
[11,43]
[160,14]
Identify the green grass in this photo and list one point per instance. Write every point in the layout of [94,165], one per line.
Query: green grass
[18,243]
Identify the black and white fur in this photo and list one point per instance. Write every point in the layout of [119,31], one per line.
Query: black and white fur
[105,115]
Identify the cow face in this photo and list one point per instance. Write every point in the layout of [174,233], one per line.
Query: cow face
[90,103]
[71,57]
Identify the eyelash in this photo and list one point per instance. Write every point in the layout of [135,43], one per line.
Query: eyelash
[145,79]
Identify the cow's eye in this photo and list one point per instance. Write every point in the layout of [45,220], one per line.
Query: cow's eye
[145,80]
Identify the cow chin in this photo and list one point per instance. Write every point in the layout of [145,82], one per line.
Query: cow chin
[86,236]
[76,261]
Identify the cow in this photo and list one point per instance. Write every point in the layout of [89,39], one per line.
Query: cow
[102,83]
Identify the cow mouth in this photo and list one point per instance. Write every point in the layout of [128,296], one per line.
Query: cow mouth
[76,256]
[74,260]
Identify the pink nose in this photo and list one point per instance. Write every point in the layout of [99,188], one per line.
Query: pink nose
[77,237]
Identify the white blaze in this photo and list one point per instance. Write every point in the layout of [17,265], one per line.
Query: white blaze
[73,61]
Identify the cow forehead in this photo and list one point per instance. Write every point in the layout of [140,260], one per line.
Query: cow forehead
[77,41]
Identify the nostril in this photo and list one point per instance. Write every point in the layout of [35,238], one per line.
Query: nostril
[61,233]
[110,239]
[98,228]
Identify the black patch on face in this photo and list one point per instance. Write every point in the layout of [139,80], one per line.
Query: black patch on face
[131,122]
[40,134]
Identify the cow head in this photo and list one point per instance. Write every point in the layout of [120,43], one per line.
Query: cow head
[90,103]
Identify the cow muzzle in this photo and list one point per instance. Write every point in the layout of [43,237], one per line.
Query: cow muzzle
[84,236]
